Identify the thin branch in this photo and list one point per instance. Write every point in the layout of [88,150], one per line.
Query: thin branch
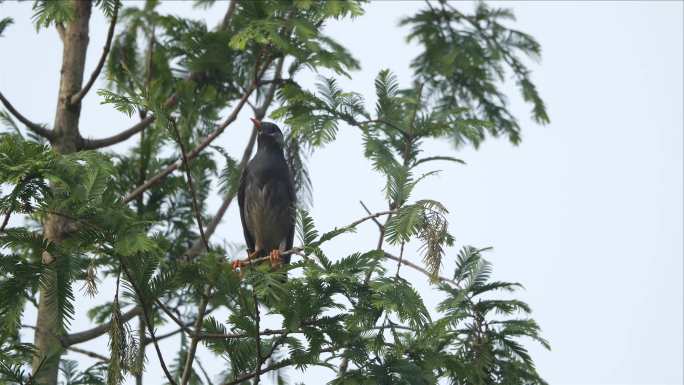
[401,257]
[93,144]
[195,152]
[433,158]
[204,372]
[345,360]
[357,123]
[166,335]
[377,222]
[87,335]
[5,220]
[266,332]
[183,326]
[418,268]
[275,366]
[191,186]
[75,99]
[257,317]
[148,323]
[207,292]
[260,112]
[35,127]
[195,338]
[298,250]
[88,353]
[225,23]
[275,345]
[371,216]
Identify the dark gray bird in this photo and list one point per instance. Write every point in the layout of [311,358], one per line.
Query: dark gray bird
[267,198]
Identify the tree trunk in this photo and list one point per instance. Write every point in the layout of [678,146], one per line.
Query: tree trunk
[66,139]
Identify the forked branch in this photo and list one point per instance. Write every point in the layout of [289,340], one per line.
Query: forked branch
[34,127]
[76,98]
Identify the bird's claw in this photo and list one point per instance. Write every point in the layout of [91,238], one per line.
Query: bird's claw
[237,265]
[275,257]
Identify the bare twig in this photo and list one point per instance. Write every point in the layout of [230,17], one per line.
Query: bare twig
[148,323]
[377,222]
[88,353]
[35,127]
[225,23]
[166,335]
[196,151]
[5,220]
[275,366]
[434,158]
[418,268]
[191,186]
[207,291]
[76,98]
[401,256]
[258,335]
[195,338]
[204,372]
[371,216]
[220,336]
[87,335]
[183,326]
[93,144]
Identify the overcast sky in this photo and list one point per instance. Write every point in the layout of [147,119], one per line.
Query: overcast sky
[586,212]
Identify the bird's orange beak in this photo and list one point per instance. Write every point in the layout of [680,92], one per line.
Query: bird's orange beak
[256,122]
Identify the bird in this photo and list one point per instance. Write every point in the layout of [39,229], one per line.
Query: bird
[266,197]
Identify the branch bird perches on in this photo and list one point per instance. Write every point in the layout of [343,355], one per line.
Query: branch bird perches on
[36,128]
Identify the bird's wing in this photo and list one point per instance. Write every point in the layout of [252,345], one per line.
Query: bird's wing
[249,238]
[293,211]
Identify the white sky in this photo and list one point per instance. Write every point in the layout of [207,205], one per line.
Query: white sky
[586,212]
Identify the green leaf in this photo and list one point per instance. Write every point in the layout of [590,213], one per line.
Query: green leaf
[48,12]
[4,23]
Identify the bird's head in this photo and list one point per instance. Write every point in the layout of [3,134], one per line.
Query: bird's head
[268,134]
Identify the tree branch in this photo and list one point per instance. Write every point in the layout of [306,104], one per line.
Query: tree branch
[225,23]
[5,220]
[377,222]
[88,353]
[191,186]
[148,323]
[75,99]
[266,332]
[204,372]
[371,216]
[34,127]
[433,158]
[207,291]
[196,151]
[195,338]
[418,268]
[87,335]
[275,366]
[94,144]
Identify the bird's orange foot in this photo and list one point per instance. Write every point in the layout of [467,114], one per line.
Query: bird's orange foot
[275,257]
[237,265]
